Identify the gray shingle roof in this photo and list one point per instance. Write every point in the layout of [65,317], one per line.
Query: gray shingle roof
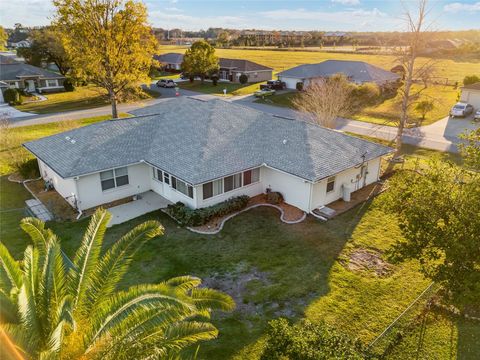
[169,58]
[199,141]
[12,70]
[241,65]
[358,71]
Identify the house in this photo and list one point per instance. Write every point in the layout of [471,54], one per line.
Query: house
[19,39]
[232,69]
[358,72]
[170,61]
[202,153]
[28,77]
[471,95]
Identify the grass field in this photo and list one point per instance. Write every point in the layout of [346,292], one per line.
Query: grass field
[208,88]
[12,139]
[282,60]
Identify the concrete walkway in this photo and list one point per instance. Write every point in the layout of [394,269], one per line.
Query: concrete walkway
[147,202]
[13,113]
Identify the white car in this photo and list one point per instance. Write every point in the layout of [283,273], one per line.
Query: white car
[461,109]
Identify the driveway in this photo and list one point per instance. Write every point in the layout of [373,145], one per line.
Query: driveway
[11,112]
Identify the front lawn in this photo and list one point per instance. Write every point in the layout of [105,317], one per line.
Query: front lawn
[83,97]
[388,112]
[274,269]
[208,88]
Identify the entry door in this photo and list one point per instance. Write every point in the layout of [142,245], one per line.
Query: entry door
[363,175]
[31,85]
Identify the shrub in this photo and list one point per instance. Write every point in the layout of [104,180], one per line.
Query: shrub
[214,80]
[274,197]
[243,79]
[28,169]
[189,217]
[424,107]
[68,85]
[308,341]
[470,79]
[299,86]
[12,96]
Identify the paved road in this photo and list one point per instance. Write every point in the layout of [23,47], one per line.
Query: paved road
[442,135]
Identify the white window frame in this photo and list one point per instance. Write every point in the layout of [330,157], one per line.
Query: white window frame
[114,177]
[47,85]
[221,181]
[188,187]
[155,173]
[330,180]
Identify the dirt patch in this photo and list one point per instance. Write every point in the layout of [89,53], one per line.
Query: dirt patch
[369,260]
[238,284]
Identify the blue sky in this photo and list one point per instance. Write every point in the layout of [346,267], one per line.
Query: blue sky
[347,15]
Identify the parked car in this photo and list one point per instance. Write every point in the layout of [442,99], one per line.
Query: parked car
[461,109]
[476,117]
[264,92]
[273,85]
[166,83]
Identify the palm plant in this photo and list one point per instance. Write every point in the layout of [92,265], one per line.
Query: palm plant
[54,308]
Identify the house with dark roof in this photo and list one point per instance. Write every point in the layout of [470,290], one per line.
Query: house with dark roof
[202,153]
[170,61]
[28,77]
[358,72]
[230,69]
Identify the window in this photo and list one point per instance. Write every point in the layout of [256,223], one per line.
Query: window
[114,178]
[330,184]
[228,183]
[51,83]
[166,178]
[212,188]
[182,187]
[157,174]
[251,176]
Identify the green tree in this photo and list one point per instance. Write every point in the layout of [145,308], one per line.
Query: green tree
[470,79]
[109,42]
[470,149]
[308,341]
[200,60]
[424,107]
[223,39]
[437,210]
[3,39]
[56,308]
[46,47]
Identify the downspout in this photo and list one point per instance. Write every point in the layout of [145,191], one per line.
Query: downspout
[80,212]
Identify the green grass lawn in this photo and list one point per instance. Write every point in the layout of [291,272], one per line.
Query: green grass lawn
[302,267]
[388,112]
[83,97]
[13,138]
[208,88]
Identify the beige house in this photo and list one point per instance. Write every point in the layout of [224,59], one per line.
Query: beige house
[471,95]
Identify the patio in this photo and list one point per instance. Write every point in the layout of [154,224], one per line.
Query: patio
[146,202]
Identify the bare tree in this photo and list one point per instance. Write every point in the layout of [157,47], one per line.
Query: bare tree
[416,41]
[324,100]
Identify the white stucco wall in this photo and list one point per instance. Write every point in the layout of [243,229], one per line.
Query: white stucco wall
[295,191]
[250,190]
[65,187]
[90,189]
[471,97]
[347,177]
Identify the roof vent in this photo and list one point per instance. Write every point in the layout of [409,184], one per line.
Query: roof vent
[73,141]
[285,141]
[67,137]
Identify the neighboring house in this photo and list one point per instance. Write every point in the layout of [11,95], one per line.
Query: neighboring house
[232,69]
[19,39]
[28,77]
[358,72]
[471,95]
[170,61]
[202,153]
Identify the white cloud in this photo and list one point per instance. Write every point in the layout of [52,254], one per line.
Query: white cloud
[347,2]
[457,7]
[173,9]
[26,12]
[188,22]
[345,16]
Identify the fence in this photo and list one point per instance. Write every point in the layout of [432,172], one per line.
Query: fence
[405,322]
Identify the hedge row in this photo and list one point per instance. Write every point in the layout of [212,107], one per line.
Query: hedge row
[189,217]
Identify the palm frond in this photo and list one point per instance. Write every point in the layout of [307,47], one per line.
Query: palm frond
[210,299]
[184,283]
[8,308]
[87,255]
[114,264]
[10,272]
[128,303]
[35,228]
